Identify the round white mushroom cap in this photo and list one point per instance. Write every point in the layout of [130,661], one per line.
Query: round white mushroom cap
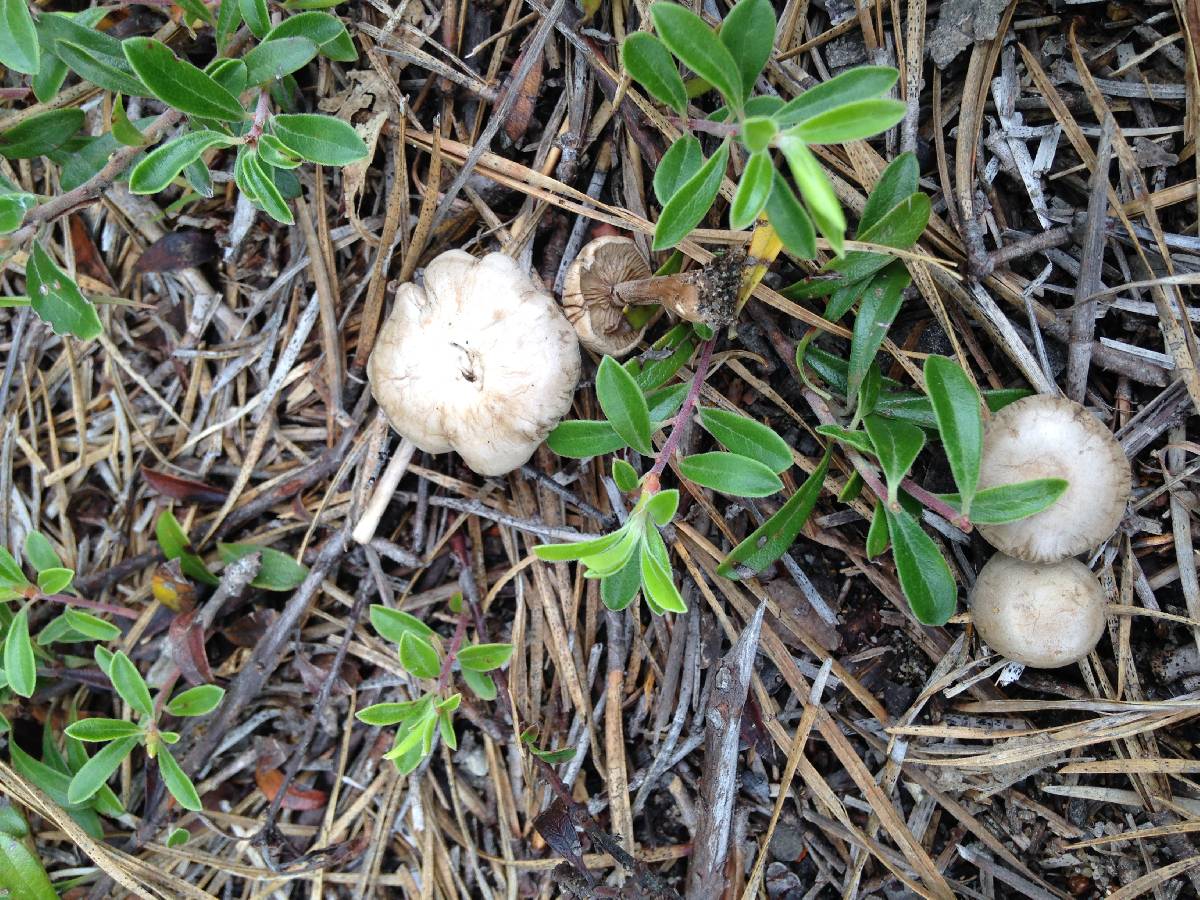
[478,359]
[1053,437]
[1044,615]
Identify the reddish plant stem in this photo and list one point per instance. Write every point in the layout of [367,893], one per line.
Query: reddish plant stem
[683,417]
[14,93]
[68,600]
[261,111]
[720,129]
[936,504]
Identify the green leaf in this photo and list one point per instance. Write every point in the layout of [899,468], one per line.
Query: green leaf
[229,17]
[178,83]
[122,128]
[320,139]
[657,579]
[393,624]
[897,445]
[682,160]
[816,189]
[40,134]
[647,61]
[861,83]
[40,552]
[583,439]
[577,550]
[102,729]
[897,183]
[130,685]
[91,626]
[22,875]
[384,714]
[753,190]
[97,770]
[746,437]
[162,165]
[748,32]
[624,475]
[624,405]
[260,186]
[170,535]
[758,132]
[869,389]
[856,439]
[680,340]
[858,266]
[960,422]
[878,309]
[690,202]
[481,685]
[195,11]
[877,534]
[273,59]
[104,71]
[789,219]
[902,225]
[310,4]
[730,473]
[19,49]
[326,31]
[279,572]
[924,575]
[772,539]
[618,590]
[611,560]
[178,837]
[850,122]
[49,778]
[55,581]
[57,299]
[553,757]
[419,657]
[19,665]
[663,506]
[1009,502]
[197,701]
[256,16]
[273,152]
[446,729]
[177,782]
[484,657]
[10,570]
[694,43]
[13,207]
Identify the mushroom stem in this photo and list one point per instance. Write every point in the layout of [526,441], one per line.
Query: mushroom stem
[364,531]
[671,291]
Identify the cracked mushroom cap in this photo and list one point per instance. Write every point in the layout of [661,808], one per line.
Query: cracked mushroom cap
[1043,615]
[1053,437]
[588,297]
[478,360]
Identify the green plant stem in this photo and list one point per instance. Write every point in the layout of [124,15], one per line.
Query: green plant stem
[680,422]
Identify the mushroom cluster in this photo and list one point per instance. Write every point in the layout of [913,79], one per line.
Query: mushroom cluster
[1033,602]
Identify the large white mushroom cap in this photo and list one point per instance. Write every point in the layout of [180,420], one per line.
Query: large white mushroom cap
[1044,615]
[1053,437]
[478,359]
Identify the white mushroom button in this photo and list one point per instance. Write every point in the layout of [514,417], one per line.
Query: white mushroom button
[1043,615]
[479,359]
[1052,437]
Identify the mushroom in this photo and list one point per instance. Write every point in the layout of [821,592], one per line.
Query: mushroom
[589,300]
[479,360]
[1043,615]
[1053,437]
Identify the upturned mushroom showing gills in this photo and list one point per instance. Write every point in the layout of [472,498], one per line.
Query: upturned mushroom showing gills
[479,359]
[589,300]
[1052,437]
[1043,615]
